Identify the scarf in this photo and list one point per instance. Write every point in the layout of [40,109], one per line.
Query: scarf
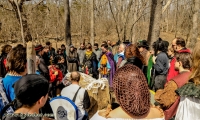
[88,54]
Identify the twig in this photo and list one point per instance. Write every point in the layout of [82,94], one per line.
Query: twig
[37,4]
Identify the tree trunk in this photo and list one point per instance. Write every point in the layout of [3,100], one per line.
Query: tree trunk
[67,24]
[20,21]
[155,17]
[22,18]
[194,35]
[125,20]
[116,25]
[176,18]
[135,16]
[81,24]
[92,23]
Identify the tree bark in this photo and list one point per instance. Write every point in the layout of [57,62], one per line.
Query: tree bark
[20,21]
[155,17]
[67,24]
[194,35]
[92,23]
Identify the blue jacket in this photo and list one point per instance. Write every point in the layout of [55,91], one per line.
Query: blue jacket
[8,83]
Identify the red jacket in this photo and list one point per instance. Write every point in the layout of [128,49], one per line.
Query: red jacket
[54,77]
[172,72]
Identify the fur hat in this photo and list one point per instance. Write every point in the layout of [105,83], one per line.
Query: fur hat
[132,91]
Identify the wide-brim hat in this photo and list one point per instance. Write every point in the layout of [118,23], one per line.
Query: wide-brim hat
[126,42]
[142,43]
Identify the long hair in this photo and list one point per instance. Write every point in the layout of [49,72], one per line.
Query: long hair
[195,76]
[160,45]
[133,51]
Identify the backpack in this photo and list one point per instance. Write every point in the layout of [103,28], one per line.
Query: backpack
[65,108]
[3,99]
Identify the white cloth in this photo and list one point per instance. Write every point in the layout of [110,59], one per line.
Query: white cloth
[97,117]
[188,109]
[70,91]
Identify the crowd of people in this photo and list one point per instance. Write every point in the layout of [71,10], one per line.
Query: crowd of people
[132,69]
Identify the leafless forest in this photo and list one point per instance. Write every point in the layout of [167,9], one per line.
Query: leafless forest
[97,20]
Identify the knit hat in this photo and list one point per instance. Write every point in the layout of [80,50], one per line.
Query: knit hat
[131,90]
[142,43]
[39,47]
[30,88]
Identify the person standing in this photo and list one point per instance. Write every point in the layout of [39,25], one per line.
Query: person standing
[120,55]
[178,45]
[82,100]
[31,95]
[17,67]
[97,51]
[90,63]
[43,68]
[106,65]
[143,48]
[4,52]
[52,51]
[189,104]
[161,64]
[81,53]
[183,65]
[73,61]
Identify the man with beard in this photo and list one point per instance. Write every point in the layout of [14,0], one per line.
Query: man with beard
[167,97]
[107,65]
[43,68]
[179,45]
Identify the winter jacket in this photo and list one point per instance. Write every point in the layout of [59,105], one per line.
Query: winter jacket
[162,64]
[172,72]
[81,53]
[43,68]
[98,53]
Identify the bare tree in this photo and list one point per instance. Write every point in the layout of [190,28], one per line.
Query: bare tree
[195,18]
[155,17]
[67,24]
[17,6]
[92,22]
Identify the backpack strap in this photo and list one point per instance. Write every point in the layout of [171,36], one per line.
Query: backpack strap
[76,94]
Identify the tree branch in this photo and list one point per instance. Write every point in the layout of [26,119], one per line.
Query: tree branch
[37,4]
[166,6]
[6,8]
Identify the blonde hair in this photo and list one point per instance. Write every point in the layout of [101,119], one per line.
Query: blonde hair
[195,76]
